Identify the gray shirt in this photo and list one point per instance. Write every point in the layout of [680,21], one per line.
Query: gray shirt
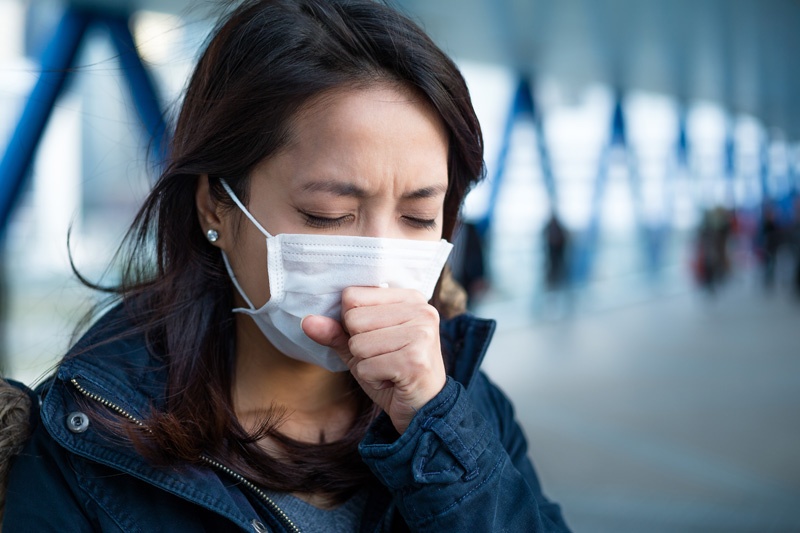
[345,518]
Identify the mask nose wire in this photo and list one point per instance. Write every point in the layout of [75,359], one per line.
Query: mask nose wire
[242,207]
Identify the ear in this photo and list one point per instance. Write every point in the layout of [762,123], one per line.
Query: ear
[208,212]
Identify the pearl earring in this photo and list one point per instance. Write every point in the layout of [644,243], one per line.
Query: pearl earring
[212,235]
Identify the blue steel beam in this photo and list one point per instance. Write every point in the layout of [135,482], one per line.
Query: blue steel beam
[586,247]
[766,195]
[652,238]
[730,163]
[544,154]
[683,137]
[56,62]
[660,232]
[523,104]
[518,105]
[143,90]
[584,255]
[682,163]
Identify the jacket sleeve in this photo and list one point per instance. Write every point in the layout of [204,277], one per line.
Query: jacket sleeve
[454,470]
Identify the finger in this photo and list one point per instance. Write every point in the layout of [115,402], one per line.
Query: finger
[368,296]
[363,319]
[327,332]
[400,368]
[376,373]
[379,342]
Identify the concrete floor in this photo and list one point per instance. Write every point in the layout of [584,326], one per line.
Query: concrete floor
[681,413]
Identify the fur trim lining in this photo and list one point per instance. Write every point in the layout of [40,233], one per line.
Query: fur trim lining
[15,407]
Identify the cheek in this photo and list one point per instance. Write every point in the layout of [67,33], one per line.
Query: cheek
[249,263]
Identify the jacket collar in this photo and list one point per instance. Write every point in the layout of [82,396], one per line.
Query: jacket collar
[465,340]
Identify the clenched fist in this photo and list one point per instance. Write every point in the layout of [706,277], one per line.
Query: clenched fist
[389,339]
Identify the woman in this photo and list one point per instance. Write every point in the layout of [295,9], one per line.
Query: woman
[304,383]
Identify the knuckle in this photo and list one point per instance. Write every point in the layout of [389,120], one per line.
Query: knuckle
[352,365]
[414,359]
[427,334]
[354,346]
[352,297]
[355,368]
[348,298]
[421,363]
[430,312]
[363,372]
[351,319]
[424,317]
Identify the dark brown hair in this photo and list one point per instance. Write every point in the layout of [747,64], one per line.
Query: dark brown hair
[263,63]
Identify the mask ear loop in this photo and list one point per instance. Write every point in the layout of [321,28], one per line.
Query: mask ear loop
[242,207]
[236,282]
[224,256]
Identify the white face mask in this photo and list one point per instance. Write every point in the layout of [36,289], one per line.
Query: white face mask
[307,274]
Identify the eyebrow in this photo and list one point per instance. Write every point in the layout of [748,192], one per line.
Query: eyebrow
[342,188]
[426,192]
[339,188]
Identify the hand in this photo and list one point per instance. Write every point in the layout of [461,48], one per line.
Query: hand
[390,343]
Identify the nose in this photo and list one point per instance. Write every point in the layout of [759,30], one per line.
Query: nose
[384,227]
[381,221]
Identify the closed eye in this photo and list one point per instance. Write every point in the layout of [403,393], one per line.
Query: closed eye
[317,222]
[421,223]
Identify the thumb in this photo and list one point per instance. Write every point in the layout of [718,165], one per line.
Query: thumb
[327,332]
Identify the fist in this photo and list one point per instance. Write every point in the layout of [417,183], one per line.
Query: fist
[389,339]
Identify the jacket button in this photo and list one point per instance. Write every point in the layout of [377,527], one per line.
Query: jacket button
[77,422]
[258,527]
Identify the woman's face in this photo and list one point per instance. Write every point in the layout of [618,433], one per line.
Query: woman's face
[369,162]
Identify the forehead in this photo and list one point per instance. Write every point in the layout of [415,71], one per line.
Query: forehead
[368,130]
[340,103]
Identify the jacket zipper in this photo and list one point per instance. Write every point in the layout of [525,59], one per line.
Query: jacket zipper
[274,506]
[270,503]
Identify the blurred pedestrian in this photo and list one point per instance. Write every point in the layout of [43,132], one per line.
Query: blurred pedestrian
[768,244]
[795,240]
[556,238]
[712,264]
[467,261]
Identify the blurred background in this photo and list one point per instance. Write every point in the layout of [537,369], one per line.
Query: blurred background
[637,237]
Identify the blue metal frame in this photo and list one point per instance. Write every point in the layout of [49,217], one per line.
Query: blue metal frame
[662,231]
[522,105]
[143,90]
[730,164]
[766,197]
[683,137]
[652,237]
[57,60]
[586,247]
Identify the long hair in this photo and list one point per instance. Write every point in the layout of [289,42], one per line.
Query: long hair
[262,64]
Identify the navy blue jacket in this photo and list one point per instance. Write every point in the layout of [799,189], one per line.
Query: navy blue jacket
[461,465]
